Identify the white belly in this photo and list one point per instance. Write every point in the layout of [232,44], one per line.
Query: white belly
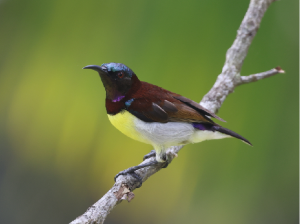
[154,133]
[160,135]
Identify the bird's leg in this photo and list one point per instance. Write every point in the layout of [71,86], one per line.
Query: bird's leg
[166,161]
[134,168]
[152,153]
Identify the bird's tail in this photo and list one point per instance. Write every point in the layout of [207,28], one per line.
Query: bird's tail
[231,133]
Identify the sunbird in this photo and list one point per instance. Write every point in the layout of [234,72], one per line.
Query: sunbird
[155,116]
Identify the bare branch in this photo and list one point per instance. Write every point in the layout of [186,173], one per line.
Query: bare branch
[225,84]
[230,76]
[258,76]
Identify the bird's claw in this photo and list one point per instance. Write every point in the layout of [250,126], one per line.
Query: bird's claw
[166,164]
[132,173]
[152,153]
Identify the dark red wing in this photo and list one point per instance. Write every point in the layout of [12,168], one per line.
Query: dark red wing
[154,104]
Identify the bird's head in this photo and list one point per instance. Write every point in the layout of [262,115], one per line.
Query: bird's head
[117,79]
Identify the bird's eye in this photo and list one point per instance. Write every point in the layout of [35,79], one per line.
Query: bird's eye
[121,74]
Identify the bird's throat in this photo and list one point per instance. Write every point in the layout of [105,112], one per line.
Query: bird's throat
[117,98]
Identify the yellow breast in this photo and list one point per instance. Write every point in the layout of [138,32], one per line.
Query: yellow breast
[125,122]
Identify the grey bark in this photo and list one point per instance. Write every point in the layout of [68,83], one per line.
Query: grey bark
[224,85]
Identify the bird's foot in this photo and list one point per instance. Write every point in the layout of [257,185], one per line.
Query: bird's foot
[166,164]
[152,153]
[131,172]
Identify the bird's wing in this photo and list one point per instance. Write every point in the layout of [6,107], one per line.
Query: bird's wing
[197,107]
[150,111]
[155,104]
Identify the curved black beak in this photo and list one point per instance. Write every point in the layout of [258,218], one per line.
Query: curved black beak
[97,68]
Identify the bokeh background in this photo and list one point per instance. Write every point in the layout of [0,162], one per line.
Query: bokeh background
[59,153]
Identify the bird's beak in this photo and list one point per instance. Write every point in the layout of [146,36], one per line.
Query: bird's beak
[107,81]
[101,69]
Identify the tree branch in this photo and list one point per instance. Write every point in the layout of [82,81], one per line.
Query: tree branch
[258,76]
[225,84]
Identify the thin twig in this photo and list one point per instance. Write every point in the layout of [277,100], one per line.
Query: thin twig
[225,84]
[259,76]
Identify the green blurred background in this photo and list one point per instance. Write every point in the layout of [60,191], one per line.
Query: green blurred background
[59,153]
